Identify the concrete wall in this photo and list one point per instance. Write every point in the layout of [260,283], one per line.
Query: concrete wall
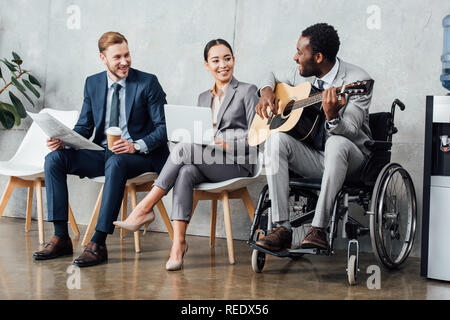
[398,43]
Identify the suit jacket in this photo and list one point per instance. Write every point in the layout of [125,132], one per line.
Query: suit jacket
[354,117]
[144,107]
[234,119]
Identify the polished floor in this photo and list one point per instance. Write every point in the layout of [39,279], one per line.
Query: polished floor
[206,273]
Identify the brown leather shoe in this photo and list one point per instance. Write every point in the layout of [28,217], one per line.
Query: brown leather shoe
[280,238]
[92,255]
[315,238]
[57,247]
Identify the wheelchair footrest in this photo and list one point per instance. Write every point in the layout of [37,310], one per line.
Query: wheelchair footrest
[287,252]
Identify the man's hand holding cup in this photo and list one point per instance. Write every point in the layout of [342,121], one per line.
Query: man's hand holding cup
[116,144]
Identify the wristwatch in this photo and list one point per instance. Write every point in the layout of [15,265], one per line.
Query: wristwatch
[137,147]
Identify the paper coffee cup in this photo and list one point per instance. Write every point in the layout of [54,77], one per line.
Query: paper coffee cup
[113,134]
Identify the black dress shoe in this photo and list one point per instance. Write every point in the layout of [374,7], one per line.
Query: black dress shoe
[280,238]
[57,247]
[92,255]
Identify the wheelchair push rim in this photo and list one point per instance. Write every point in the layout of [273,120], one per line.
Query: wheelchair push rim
[393,216]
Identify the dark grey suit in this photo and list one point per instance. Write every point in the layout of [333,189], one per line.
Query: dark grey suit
[183,170]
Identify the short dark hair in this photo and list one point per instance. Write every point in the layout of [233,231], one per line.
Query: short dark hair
[213,43]
[323,38]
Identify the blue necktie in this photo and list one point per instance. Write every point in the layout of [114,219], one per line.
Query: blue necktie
[115,103]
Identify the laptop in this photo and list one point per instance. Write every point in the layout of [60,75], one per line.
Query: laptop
[189,124]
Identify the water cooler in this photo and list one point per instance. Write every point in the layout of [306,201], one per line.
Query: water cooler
[436,190]
[436,179]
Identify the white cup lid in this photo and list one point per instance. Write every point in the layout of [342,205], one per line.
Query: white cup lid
[114,131]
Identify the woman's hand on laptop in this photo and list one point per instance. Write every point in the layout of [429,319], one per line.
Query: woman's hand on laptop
[123,146]
[54,144]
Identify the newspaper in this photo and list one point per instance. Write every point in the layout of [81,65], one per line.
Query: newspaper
[54,129]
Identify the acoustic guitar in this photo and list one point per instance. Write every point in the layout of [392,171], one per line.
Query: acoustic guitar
[300,108]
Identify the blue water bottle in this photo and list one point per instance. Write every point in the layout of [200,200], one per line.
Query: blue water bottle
[445,77]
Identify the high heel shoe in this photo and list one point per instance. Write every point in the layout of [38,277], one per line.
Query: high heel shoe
[135,227]
[176,265]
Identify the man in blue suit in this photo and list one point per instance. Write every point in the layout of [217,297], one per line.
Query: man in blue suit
[118,97]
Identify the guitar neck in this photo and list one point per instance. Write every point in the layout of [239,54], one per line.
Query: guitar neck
[312,100]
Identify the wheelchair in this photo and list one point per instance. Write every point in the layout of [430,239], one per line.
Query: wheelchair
[384,190]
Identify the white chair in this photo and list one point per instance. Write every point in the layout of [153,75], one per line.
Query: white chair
[141,183]
[26,169]
[224,191]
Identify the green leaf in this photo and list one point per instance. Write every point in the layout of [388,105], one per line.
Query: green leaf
[10,66]
[11,109]
[17,84]
[18,104]
[18,62]
[28,98]
[34,81]
[6,119]
[1,75]
[16,56]
[32,89]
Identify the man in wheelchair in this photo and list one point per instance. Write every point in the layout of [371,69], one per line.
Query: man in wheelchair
[334,154]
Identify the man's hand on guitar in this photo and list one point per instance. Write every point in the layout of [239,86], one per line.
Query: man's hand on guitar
[267,100]
[331,104]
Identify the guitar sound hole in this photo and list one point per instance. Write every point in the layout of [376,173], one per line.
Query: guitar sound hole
[288,109]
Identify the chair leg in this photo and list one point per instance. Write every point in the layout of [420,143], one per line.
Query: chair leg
[165,217]
[73,222]
[7,194]
[212,236]
[93,221]
[227,220]
[137,242]
[124,212]
[248,203]
[29,209]
[40,209]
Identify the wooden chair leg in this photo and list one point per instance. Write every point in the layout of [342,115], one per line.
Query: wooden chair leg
[137,242]
[29,209]
[124,212]
[93,221]
[212,236]
[7,194]
[248,203]
[73,222]
[227,220]
[40,209]
[165,217]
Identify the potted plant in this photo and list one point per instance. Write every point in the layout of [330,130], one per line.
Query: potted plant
[12,113]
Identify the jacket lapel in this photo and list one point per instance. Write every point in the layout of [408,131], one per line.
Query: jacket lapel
[100,94]
[231,90]
[130,92]
[339,81]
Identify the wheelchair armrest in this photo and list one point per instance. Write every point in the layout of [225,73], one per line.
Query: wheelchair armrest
[373,145]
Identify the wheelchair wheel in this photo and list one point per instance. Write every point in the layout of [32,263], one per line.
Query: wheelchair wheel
[258,261]
[393,216]
[352,270]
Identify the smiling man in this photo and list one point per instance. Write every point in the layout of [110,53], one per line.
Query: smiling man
[337,151]
[118,97]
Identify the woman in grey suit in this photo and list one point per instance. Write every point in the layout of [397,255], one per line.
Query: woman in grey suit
[233,108]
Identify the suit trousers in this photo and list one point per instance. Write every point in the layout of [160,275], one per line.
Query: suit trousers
[189,165]
[340,159]
[89,163]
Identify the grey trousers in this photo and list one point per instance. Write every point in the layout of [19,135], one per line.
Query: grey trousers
[341,159]
[187,167]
